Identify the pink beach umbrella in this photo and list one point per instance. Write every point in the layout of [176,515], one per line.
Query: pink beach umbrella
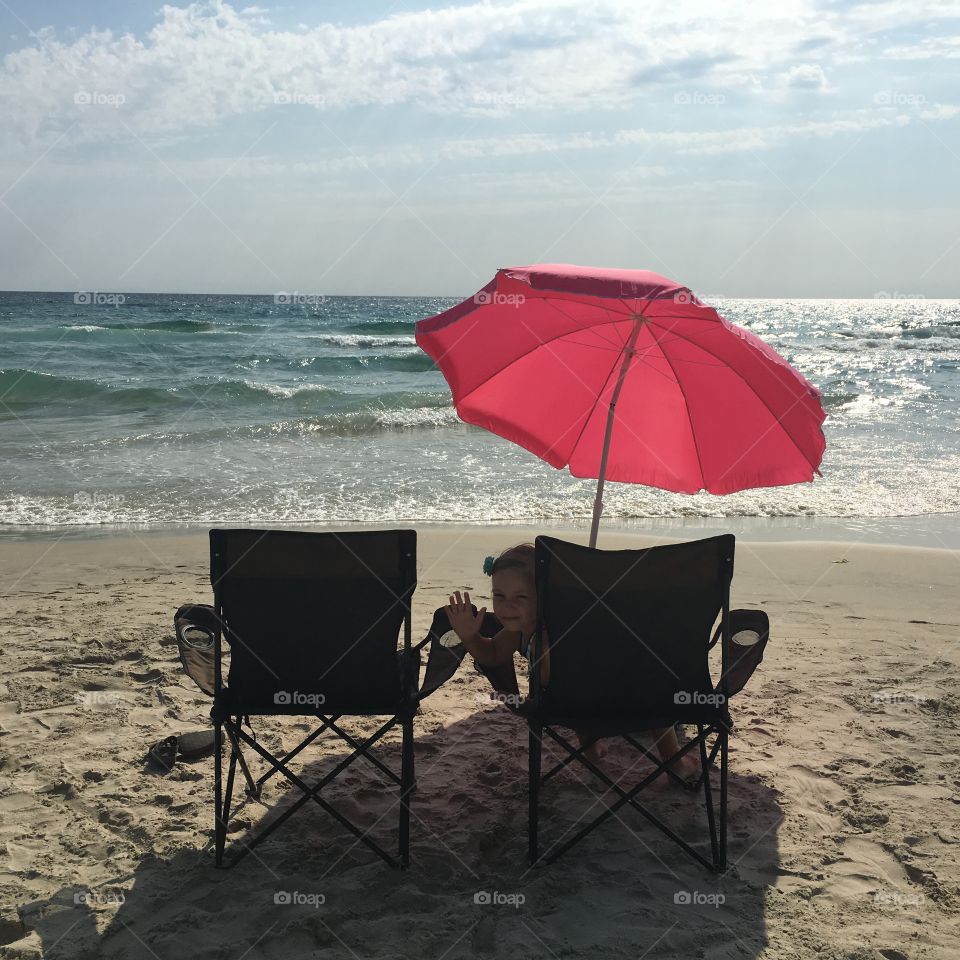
[624,375]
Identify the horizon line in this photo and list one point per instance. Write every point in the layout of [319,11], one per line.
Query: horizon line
[879,296]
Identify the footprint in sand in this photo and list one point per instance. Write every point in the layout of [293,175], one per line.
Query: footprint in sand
[813,795]
[812,785]
[148,677]
[491,773]
[867,872]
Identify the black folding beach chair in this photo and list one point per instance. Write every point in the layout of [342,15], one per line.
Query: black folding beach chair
[312,621]
[628,638]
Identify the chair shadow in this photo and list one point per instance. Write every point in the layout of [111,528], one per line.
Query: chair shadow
[311,889]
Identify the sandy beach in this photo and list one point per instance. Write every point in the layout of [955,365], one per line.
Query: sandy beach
[488,270]
[844,793]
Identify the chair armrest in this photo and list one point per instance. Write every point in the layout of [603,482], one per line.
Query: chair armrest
[446,652]
[749,635]
[195,626]
[503,679]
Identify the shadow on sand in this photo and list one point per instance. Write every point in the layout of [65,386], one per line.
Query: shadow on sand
[312,890]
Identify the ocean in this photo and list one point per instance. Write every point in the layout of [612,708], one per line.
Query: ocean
[157,410]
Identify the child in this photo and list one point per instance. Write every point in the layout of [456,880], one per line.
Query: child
[514,594]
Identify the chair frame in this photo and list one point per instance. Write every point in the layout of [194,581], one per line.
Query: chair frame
[540,725]
[716,813]
[231,724]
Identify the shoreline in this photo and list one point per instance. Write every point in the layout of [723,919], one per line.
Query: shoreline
[905,583]
[939,531]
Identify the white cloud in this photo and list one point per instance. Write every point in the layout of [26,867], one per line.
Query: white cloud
[929,48]
[889,14]
[207,62]
[940,111]
[805,76]
[338,168]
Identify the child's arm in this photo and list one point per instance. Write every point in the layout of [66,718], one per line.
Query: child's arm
[487,651]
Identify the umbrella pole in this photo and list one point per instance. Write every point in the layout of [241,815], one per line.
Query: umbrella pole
[597,509]
[628,354]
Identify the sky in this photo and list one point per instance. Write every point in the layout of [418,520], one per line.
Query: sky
[788,149]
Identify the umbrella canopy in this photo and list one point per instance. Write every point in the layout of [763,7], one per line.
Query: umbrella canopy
[625,375]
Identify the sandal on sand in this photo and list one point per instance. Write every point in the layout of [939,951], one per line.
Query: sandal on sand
[164,753]
[186,746]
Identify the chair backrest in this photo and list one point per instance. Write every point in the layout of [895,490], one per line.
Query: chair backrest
[313,618]
[629,630]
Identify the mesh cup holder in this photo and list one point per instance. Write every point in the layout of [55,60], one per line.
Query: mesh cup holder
[750,633]
[197,638]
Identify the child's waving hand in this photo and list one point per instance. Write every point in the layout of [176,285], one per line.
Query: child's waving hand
[462,619]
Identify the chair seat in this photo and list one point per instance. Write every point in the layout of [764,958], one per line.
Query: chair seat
[620,722]
[227,704]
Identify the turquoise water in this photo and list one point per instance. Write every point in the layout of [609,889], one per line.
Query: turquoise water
[159,409]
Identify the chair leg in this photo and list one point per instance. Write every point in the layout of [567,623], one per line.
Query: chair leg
[406,789]
[708,796]
[724,750]
[536,738]
[220,827]
[254,788]
[228,791]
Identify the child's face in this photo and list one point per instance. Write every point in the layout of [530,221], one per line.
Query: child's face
[514,600]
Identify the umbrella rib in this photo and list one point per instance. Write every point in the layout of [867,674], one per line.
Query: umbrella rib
[566,316]
[596,402]
[623,341]
[633,311]
[746,382]
[643,359]
[573,449]
[686,404]
[527,353]
[664,341]
[594,346]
